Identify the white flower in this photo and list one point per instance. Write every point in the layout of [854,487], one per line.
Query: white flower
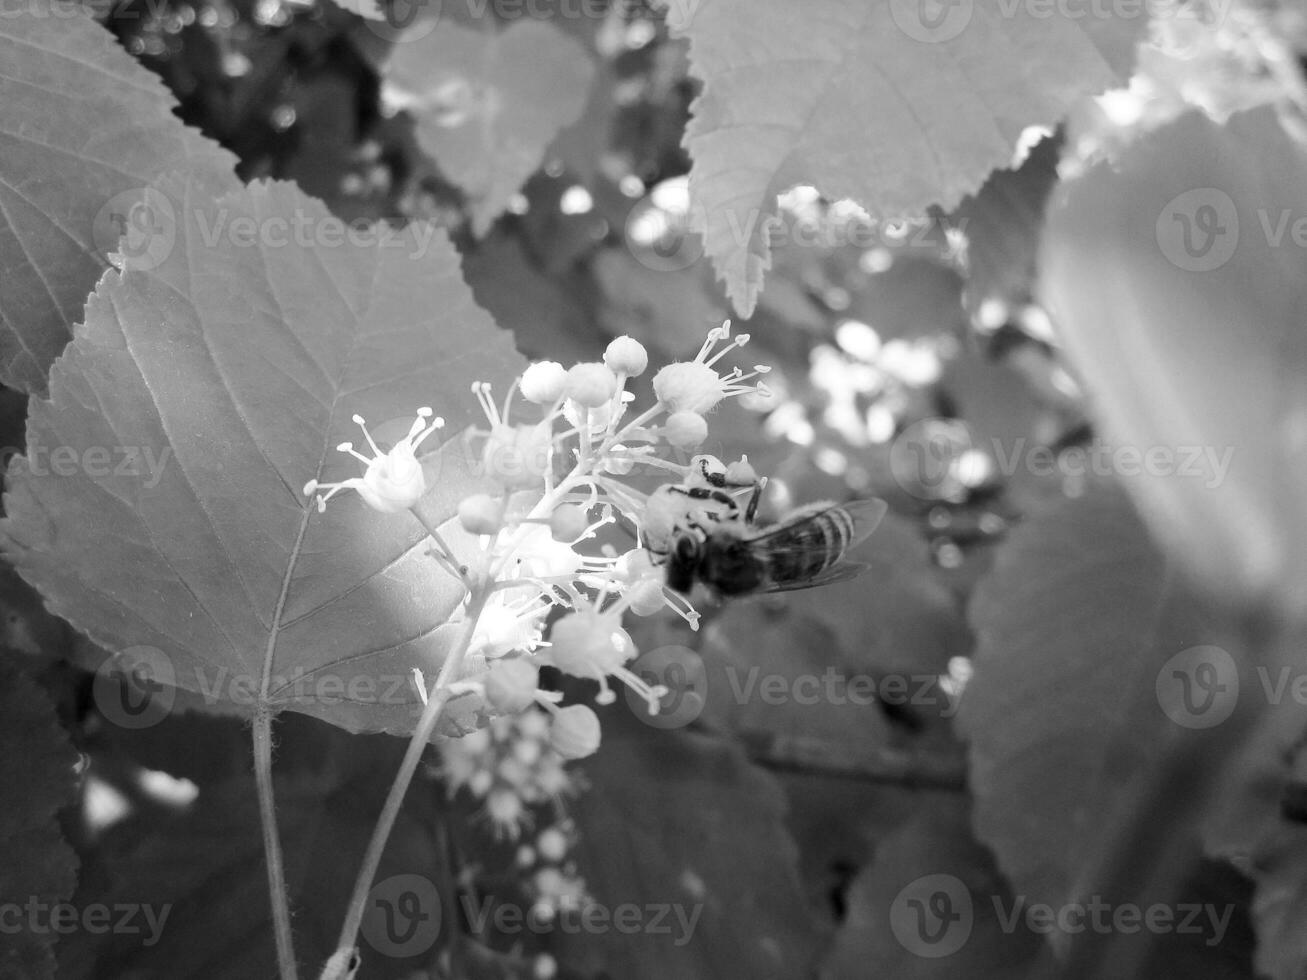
[575,733]
[695,386]
[591,385]
[627,356]
[686,430]
[393,481]
[543,382]
[592,644]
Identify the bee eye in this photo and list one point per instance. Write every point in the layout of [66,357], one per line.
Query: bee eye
[686,547]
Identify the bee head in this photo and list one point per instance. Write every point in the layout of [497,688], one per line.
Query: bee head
[683,562]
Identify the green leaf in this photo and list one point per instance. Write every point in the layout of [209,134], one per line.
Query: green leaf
[199,884]
[678,820]
[1074,625]
[880,935]
[1196,352]
[488,105]
[36,864]
[228,373]
[1002,224]
[83,129]
[866,101]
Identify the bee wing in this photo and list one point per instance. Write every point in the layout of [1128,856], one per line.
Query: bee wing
[867,515]
[841,572]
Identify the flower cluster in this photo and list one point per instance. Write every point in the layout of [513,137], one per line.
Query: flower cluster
[565,454]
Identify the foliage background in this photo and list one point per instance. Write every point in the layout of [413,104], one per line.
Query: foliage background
[901,351]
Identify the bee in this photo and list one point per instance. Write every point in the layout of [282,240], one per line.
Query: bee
[734,555]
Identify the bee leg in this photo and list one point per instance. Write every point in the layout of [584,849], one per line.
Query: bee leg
[754,499]
[709,493]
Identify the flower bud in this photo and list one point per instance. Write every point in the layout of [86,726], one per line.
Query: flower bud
[552,844]
[689,386]
[544,967]
[505,807]
[591,384]
[589,644]
[686,430]
[511,685]
[618,467]
[627,356]
[543,382]
[575,733]
[567,523]
[481,514]
[647,597]
[741,473]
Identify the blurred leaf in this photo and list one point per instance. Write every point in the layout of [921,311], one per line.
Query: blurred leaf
[198,882]
[1075,627]
[898,616]
[213,564]
[670,312]
[489,104]
[883,932]
[37,769]
[680,821]
[769,671]
[550,320]
[1003,223]
[83,129]
[1181,306]
[870,102]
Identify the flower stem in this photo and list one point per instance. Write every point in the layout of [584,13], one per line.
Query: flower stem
[435,705]
[272,843]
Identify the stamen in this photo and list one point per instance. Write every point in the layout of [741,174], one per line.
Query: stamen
[358,420]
